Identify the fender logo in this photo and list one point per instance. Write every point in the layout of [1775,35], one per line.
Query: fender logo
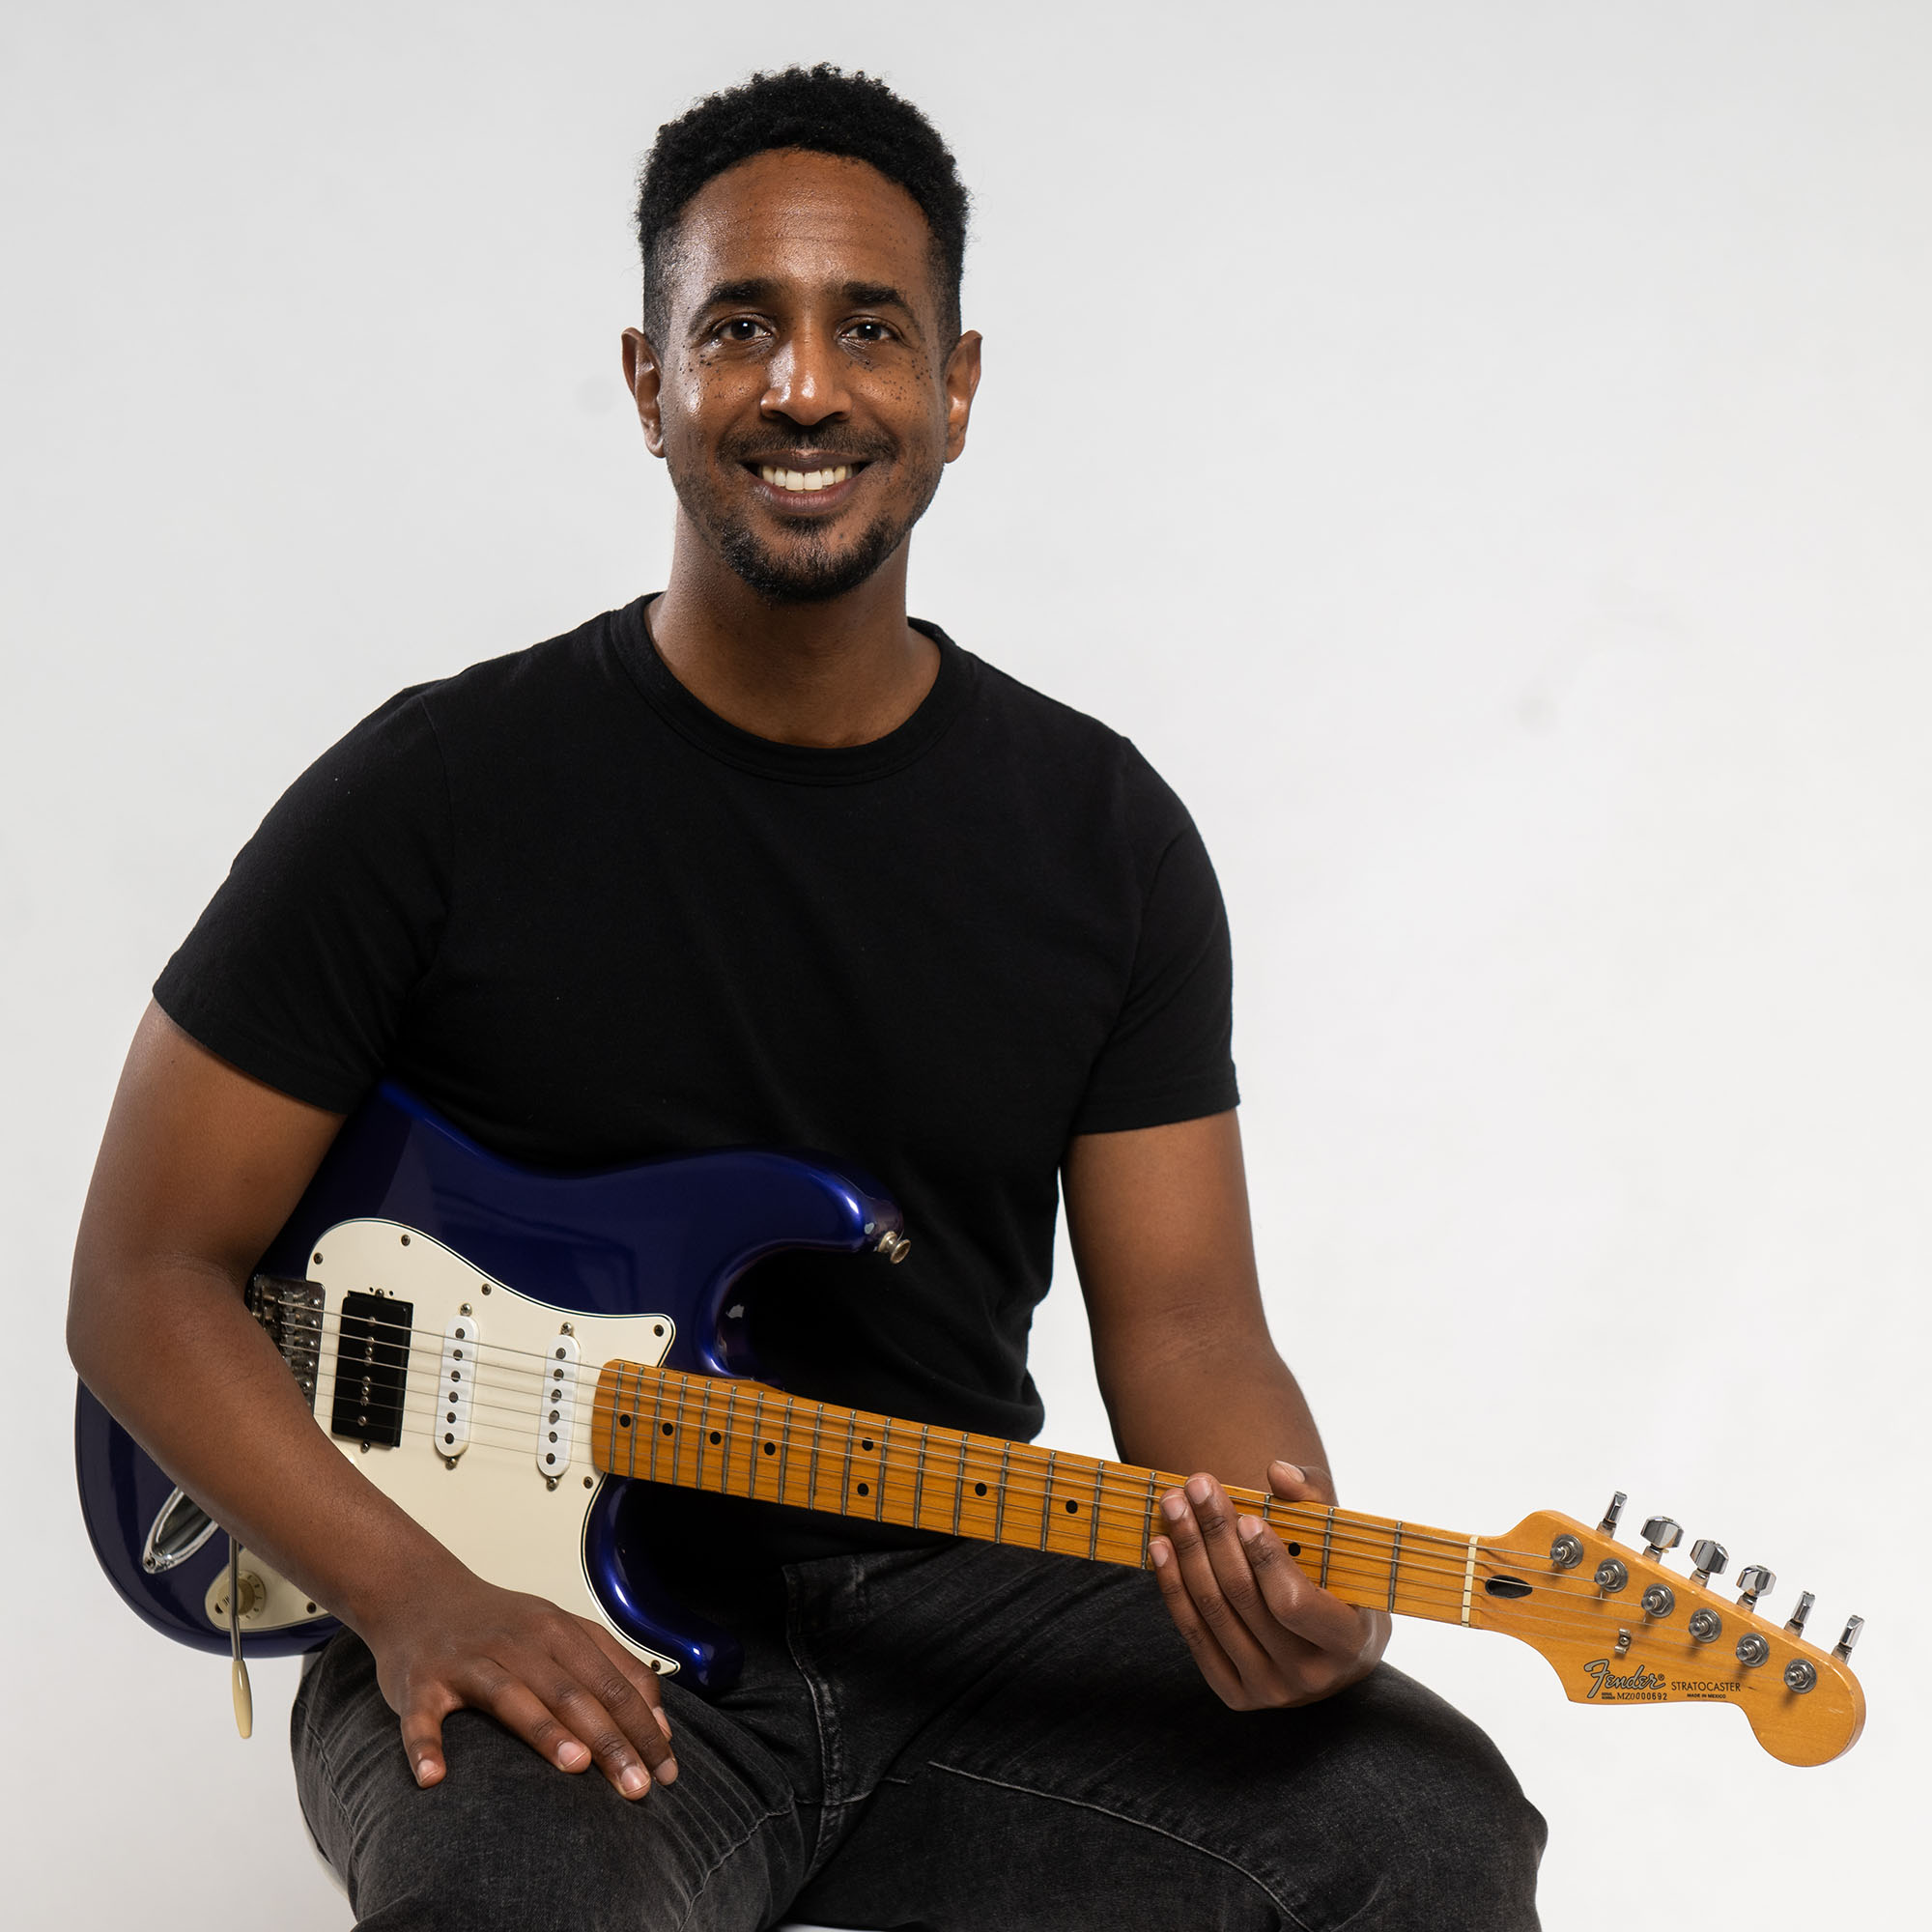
[1608,1681]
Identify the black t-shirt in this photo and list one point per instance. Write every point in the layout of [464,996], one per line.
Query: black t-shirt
[590,922]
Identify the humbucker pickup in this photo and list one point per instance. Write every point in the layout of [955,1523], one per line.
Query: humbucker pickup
[372,1360]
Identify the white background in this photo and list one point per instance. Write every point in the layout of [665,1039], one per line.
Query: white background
[1480,452]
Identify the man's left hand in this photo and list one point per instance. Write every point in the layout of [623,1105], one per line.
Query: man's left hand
[1263,1633]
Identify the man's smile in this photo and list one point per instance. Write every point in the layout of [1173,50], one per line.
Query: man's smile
[818,486]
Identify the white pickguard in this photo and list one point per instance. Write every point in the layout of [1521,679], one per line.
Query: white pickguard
[493,1506]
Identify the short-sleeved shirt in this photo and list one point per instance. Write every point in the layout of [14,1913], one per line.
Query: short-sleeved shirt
[591,922]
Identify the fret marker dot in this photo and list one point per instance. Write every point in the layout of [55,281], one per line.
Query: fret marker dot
[979,1489]
[1294,1549]
[716,1438]
[769,1447]
[667,1428]
[867,1446]
[1071,1506]
[864,1490]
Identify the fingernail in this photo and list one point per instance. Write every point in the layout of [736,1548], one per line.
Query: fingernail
[1201,1488]
[1294,1474]
[668,1772]
[1173,1506]
[570,1755]
[663,1722]
[1159,1551]
[428,1771]
[1248,1527]
[632,1781]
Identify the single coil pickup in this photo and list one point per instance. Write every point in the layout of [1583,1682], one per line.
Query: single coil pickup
[1506,1586]
[372,1360]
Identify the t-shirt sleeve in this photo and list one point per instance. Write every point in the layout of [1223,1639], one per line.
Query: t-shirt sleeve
[301,969]
[1169,1056]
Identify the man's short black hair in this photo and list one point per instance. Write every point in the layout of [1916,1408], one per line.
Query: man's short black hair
[823,110]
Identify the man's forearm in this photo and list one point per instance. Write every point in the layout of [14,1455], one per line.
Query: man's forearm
[1228,1410]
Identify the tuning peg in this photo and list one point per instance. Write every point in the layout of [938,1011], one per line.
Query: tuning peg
[1797,1624]
[1660,1534]
[1709,1558]
[1843,1646]
[1609,1526]
[1754,1581]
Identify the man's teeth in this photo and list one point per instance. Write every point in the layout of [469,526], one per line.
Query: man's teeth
[804,479]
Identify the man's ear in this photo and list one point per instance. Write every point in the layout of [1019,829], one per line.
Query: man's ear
[643,378]
[961,380]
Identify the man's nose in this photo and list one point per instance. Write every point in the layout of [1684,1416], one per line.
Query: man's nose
[806,380]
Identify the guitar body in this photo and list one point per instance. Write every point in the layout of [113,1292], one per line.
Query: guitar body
[548,1276]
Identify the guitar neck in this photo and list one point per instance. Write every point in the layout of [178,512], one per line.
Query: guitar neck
[742,1438]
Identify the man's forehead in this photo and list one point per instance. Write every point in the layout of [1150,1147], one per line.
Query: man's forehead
[801,221]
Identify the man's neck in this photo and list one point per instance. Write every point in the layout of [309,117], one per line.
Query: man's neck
[844,671]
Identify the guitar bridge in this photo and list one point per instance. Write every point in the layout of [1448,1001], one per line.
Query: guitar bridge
[290,1310]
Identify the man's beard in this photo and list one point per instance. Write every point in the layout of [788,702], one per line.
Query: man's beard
[814,573]
[810,571]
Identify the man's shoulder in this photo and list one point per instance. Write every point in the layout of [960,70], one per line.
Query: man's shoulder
[574,667]
[1068,752]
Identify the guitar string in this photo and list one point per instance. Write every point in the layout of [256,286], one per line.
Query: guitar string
[1347,1553]
[1447,1541]
[1117,1488]
[544,1361]
[1118,1495]
[1123,1483]
[1347,1567]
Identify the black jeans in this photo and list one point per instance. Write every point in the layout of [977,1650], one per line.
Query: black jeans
[967,1738]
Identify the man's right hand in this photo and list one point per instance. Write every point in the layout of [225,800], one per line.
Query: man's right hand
[199,1167]
[562,1683]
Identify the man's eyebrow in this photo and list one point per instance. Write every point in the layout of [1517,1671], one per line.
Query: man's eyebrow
[878,295]
[724,295]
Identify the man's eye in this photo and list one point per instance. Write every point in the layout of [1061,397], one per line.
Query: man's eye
[740,329]
[870,331]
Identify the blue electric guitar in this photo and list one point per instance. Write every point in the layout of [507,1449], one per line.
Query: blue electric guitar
[510,1355]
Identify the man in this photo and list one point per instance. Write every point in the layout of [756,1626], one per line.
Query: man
[759,860]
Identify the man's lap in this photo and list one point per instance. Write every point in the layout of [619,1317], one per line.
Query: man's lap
[970,1736]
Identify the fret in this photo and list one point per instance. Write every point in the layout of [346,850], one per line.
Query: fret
[1119,1531]
[784,1443]
[657,1422]
[811,1467]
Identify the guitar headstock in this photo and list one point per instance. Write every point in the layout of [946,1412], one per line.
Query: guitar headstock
[1619,1626]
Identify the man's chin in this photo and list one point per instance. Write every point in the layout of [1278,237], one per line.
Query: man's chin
[809,572]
